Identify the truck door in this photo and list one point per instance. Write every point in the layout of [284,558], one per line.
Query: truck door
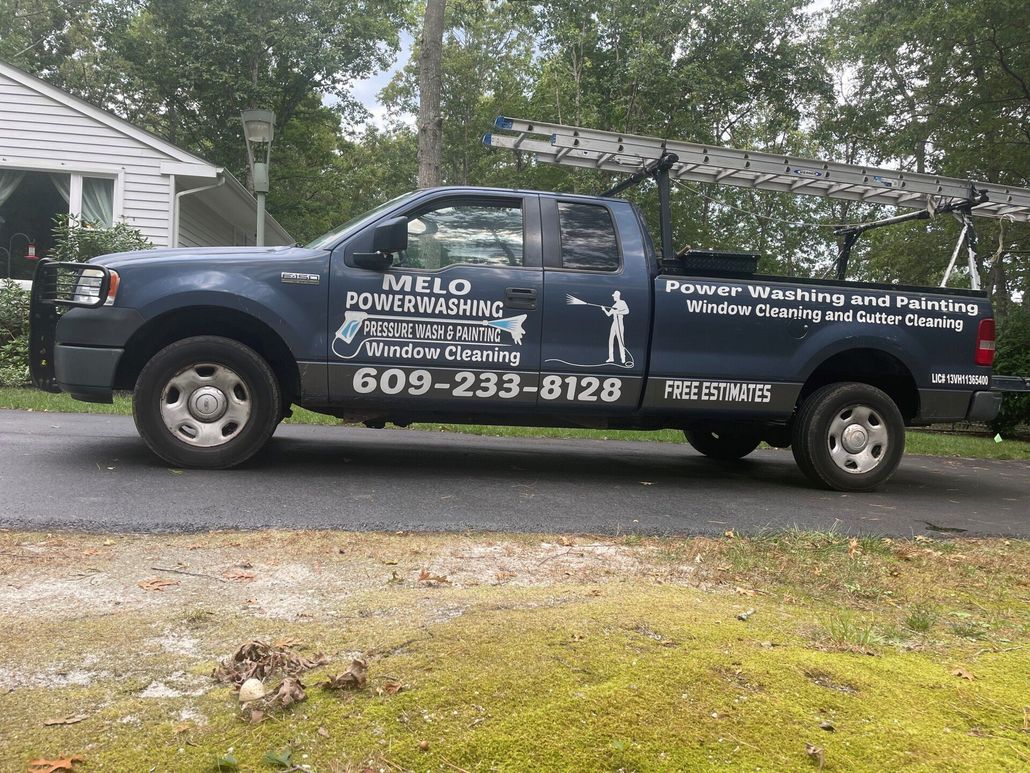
[597,306]
[454,323]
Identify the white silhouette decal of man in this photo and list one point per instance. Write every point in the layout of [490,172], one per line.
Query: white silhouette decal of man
[617,311]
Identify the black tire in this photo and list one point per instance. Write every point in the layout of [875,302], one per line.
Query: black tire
[726,443]
[207,373]
[820,437]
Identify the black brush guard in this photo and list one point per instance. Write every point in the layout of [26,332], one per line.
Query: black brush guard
[57,286]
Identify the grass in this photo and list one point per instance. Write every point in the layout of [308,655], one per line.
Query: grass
[917,441]
[644,668]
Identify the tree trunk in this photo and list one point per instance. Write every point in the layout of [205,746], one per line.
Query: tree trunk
[430,82]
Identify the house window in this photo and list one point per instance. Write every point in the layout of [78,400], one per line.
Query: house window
[29,203]
[98,201]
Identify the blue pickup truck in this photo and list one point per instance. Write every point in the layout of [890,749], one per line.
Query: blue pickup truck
[477,305]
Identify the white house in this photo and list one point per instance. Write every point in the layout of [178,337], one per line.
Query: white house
[60,154]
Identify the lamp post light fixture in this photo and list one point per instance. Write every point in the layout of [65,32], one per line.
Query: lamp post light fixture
[258,129]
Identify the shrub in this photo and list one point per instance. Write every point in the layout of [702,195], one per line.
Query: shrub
[14,334]
[79,241]
[1013,359]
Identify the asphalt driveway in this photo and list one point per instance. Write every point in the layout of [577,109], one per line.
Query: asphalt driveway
[85,472]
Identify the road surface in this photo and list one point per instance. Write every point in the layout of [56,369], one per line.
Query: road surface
[85,472]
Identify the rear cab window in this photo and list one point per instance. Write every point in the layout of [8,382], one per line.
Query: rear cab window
[588,238]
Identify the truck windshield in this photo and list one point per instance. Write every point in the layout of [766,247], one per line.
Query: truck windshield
[326,240]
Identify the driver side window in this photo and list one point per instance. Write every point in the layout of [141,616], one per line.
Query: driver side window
[480,234]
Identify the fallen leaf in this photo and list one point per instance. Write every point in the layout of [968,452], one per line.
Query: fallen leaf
[504,575]
[395,579]
[566,542]
[816,754]
[69,720]
[227,762]
[853,548]
[238,575]
[827,726]
[280,759]
[182,727]
[157,583]
[53,766]
[323,732]
[391,687]
[174,472]
[729,534]
[432,579]
[646,483]
[257,659]
[290,691]
[745,592]
[961,673]
[256,717]
[354,678]
[107,543]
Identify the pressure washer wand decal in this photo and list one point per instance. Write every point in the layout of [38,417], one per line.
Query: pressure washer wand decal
[353,320]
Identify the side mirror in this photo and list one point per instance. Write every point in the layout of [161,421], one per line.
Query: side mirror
[387,238]
[377,261]
[391,236]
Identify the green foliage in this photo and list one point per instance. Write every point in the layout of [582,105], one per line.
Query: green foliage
[79,240]
[1013,359]
[14,334]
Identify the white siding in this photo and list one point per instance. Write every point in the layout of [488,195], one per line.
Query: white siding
[200,226]
[36,130]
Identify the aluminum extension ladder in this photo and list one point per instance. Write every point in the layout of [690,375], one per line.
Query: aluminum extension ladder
[635,154]
[613,152]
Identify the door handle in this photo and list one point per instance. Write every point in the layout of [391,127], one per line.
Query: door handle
[520,297]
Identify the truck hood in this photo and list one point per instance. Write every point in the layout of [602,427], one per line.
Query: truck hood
[119,260]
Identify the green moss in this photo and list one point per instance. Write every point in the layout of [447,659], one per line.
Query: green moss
[640,677]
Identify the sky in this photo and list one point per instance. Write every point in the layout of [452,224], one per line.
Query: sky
[367,91]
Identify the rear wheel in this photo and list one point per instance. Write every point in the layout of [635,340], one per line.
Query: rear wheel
[848,436]
[206,402]
[723,442]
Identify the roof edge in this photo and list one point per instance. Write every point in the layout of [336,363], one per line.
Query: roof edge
[99,114]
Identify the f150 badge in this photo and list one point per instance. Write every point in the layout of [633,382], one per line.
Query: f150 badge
[293,278]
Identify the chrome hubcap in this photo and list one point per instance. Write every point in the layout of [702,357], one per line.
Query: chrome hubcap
[208,404]
[205,405]
[857,439]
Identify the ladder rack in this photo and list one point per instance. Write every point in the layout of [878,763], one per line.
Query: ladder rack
[628,153]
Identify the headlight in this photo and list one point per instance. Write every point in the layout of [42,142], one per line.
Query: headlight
[87,289]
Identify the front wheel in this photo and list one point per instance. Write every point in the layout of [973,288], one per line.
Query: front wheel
[726,443]
[848,437]
[206,402]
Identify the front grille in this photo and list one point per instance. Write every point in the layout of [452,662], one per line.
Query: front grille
[71,284]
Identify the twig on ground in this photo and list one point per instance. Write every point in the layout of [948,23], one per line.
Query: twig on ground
[452,765]
[191,574]
[554,555]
